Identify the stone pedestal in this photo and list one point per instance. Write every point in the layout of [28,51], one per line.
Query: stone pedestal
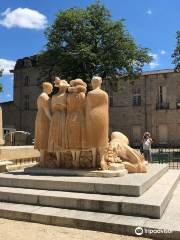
[76,173]
[1,128]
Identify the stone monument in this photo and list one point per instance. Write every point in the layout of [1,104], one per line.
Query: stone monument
[72,130]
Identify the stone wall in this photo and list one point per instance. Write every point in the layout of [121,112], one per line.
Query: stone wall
[161,118]
[18,152]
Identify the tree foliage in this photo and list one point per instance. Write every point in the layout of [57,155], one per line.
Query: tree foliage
[86,42]
[176,53]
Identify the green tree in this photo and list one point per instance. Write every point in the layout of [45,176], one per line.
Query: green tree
[86,42]
[176,53]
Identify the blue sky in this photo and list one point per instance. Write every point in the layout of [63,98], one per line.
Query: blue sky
[152,23]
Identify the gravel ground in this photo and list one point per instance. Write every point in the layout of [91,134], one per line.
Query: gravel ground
[17,230]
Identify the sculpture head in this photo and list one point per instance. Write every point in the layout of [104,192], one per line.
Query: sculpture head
[96,82]
[57,81]
[63,85]
[78,82]
[47,87]
[77,85]
[118,136]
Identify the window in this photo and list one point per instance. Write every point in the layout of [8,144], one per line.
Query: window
[163,133]
[178,96]
[162,94]
[136,97]
[111,99]
[26,102]
[162,98]
[136,135]
[26,81]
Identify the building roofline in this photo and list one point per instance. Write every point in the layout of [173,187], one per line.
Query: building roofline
[7,102]
[32,60]
[158,71]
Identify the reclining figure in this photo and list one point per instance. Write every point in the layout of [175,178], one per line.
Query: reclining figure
[134,162]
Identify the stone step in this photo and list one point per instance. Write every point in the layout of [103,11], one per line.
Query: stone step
[129,185]
[14,167]
[154,201]
[151,204]
[112,223]
[69,218]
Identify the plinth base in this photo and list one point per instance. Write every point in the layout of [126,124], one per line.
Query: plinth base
[72,172]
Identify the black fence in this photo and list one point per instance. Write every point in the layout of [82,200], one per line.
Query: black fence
[169,156]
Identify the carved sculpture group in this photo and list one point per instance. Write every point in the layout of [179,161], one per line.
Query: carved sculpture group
[76,121]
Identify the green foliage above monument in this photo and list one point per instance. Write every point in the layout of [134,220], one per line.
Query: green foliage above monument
[176,53]
[85,42]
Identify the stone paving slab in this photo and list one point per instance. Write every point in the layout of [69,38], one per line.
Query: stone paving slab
[131,184]
[18,230]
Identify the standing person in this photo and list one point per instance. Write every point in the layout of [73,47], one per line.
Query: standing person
[43,119]
[147,141]
[97,120]
[57,127]
[75,121]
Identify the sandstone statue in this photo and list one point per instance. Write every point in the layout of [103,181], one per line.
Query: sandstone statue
[57,141]
[75,121]
[122,152]
[43,119]
[74,129]
[97,120]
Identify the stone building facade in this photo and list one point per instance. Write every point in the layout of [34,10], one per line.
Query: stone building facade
[20,113]
[150,103]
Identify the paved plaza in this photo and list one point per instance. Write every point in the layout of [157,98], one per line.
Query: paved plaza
[35,231]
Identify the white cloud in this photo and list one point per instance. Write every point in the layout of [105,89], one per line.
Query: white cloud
[154,56]
[163,52]
[149,12]
[23,18]
[7,65]
[8,10]
[8,95]
[154,63]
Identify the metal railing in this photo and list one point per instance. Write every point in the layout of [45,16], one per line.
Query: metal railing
[170,156]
